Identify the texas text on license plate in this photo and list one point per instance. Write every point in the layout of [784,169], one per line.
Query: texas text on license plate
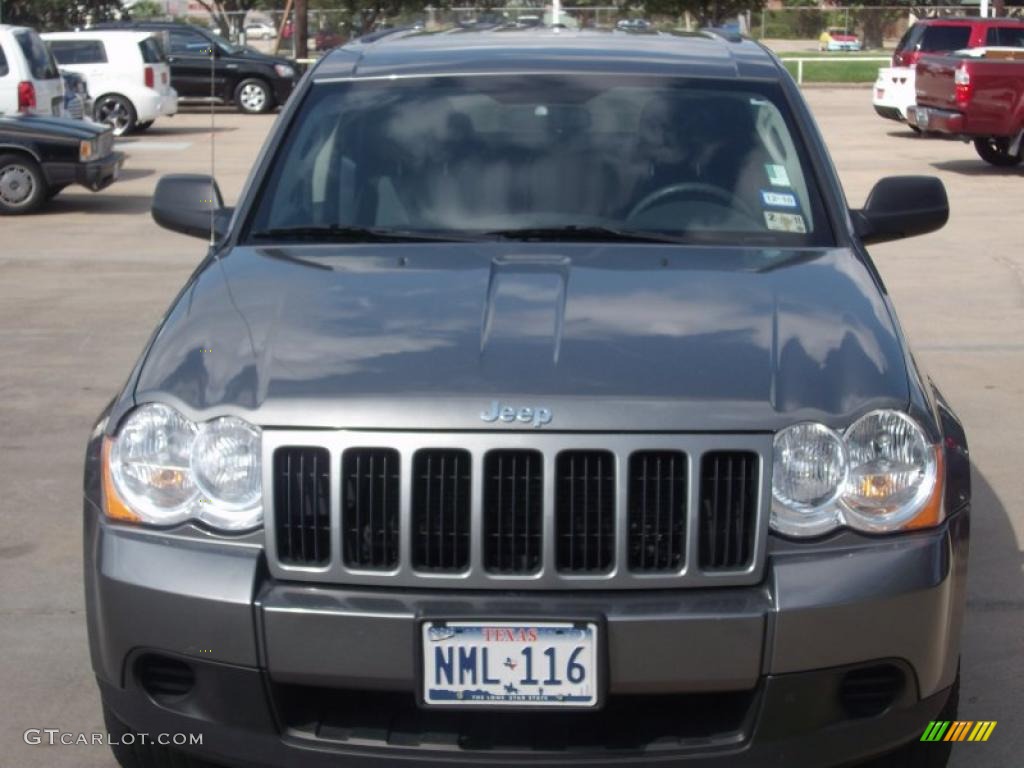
[476,663]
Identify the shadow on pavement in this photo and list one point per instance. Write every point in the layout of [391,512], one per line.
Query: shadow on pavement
[98,202]
[976,167]
[129,174]
[906,133]
[172,130]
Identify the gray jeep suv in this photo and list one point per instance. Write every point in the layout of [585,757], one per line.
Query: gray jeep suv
[537,405]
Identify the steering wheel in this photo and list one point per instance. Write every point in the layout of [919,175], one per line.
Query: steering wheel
[694,189]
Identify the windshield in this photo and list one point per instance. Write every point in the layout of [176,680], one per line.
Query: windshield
[597,158]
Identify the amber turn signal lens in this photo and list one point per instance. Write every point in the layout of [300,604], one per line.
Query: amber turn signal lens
[113,506]
[931,513]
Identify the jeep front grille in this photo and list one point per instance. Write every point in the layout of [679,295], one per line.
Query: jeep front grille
[302,505]
[517,510]
[440,509]
[513,510]
[728,498]
[657,510]
[369,507]
[585,511]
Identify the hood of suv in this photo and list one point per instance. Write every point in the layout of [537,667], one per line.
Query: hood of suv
[606,337]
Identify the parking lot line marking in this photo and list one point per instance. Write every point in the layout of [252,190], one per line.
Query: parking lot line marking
[155,146]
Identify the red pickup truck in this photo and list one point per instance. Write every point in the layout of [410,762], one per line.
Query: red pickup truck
[975,96]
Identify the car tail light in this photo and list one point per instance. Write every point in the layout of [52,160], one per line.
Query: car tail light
[962,79]
[148,75]
[26,96]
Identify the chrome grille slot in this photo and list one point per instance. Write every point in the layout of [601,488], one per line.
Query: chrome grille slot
[728,506]
[370,496]
[657,511]
[519,509]
[440,509]
[513,510]
[302,511]
[585,511]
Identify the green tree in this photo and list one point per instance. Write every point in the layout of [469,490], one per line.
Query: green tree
[147,9]
[227,12]
[708,12]
[56,15]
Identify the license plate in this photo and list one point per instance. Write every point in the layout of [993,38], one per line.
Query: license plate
[503,664]
[922,118]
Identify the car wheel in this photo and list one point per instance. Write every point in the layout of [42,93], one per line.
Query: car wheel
[116,111]
[914,128]
[140,127]
[996,151]
[149,754]
[22,186]
[253,97]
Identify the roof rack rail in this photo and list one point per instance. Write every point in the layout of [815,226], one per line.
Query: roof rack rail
[380,34]
[726,34]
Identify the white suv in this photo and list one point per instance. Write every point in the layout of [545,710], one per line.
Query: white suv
[29,81]
[127,74]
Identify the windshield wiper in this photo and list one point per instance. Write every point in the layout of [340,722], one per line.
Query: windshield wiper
[335,234]
[573,233]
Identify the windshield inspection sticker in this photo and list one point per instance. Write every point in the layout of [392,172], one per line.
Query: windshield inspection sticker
[778,199]
[777,175]
[785,222]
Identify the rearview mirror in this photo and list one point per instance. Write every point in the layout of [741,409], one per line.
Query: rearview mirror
[902,206]
[190,203]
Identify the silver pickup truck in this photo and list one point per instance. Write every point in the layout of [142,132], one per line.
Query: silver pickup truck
[538,404]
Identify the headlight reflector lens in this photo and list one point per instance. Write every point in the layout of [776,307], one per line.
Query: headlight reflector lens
[149,463]
[809,469]
[893,471]
[227,468]
[167,469]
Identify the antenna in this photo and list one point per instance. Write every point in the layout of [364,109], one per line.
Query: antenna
[213,136]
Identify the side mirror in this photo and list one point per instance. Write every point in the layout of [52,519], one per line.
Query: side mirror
[902,206]
[190,203]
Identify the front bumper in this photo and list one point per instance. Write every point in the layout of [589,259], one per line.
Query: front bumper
[282,87]
[95,174]
[777,652]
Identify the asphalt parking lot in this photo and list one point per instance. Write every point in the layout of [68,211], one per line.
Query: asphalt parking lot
[83,284]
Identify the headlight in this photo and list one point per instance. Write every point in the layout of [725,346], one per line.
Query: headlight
[226,467]
[893,471]
[808,472]
[163,469]
[882,475]
[283,70]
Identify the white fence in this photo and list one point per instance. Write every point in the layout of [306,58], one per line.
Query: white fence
[829,60]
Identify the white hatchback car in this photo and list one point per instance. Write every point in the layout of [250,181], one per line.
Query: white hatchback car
[29,81]
[126,71]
